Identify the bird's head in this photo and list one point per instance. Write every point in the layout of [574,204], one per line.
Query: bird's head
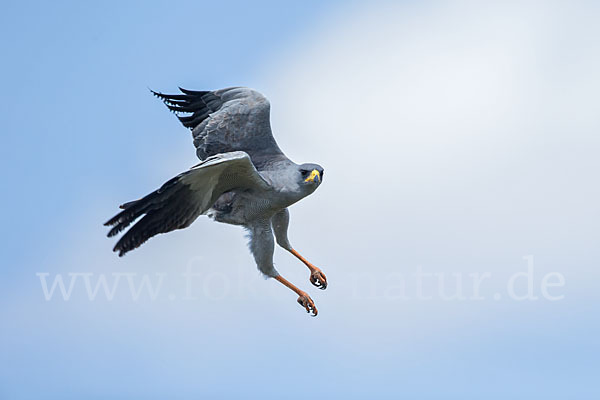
[310,175]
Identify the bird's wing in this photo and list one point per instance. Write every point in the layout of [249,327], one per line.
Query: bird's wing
[182,199]
[225,120]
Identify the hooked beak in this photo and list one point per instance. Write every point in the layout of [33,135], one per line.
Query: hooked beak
[314,177]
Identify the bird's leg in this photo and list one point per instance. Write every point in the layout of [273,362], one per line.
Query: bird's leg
[303,298]
[280,222]
[262,246]
[317,277]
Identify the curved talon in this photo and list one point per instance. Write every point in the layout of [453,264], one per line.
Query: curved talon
[318,279]
[306,302]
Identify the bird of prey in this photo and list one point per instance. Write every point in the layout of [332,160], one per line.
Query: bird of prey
[243,179]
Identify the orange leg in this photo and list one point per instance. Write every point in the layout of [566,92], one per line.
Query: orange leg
[304,299]
[317,277]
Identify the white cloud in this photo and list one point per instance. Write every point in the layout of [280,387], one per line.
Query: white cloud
[455,138]
[449,132]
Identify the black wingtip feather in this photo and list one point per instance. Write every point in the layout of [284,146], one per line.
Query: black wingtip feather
[112,221]
[196,102]
[193,92]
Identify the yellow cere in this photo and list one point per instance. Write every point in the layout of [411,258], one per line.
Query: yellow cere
[313,175]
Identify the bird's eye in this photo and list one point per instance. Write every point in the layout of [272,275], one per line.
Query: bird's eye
[304,172]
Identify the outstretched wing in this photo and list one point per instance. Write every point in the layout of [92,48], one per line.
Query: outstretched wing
[225,120]
[182,199]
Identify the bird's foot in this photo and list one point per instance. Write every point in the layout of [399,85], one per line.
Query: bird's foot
[317,278]
[305,301]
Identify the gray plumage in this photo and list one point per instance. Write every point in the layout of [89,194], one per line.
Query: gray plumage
[232,119]
[244,178]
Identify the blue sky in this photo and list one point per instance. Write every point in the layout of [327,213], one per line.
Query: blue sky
[76,78]
[461,137]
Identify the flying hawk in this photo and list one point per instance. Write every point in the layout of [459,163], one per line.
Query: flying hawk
[243,179]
